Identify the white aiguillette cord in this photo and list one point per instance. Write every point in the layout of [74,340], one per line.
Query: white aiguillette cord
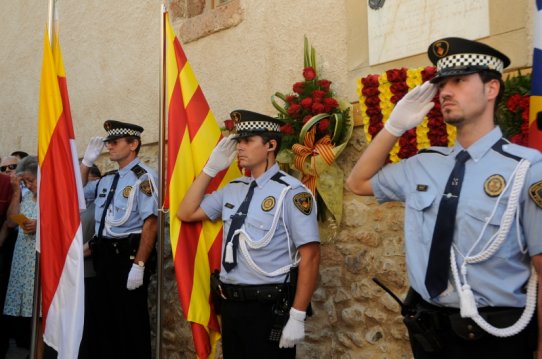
[467,301]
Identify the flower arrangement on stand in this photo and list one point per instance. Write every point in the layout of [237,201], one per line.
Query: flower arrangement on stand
[317,127]
[378,96]
[513,111]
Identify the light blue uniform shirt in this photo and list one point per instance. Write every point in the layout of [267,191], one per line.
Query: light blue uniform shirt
[144,204]
[420,181]
[302,226]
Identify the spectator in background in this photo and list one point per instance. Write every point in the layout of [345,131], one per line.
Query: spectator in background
[20,292]
[6,253]
[89,189]
[19,154]
[8,165]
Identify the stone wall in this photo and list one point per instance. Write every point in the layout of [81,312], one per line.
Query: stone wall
[353,317]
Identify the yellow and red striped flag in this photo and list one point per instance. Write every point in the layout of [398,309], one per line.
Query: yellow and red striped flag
[535,106]
[192,134]
[59,239]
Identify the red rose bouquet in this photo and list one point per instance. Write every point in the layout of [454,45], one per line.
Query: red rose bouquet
[513,111]
[316,129]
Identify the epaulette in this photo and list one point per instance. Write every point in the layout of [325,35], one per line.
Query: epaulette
[286,180]
[516,152]
[138,171]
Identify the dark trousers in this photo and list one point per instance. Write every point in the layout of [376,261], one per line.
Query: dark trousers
[89,342]
[123,318]
[245,331]
[454,346]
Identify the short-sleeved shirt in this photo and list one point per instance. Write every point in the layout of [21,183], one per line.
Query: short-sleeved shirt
[133,177]
[420,181]
[297,220]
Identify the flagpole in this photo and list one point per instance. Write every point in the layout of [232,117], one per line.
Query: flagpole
[162,183]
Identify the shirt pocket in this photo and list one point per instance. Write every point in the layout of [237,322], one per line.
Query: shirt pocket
[259,225]
[121,206]
[99,203]
[416,214]
[478,218]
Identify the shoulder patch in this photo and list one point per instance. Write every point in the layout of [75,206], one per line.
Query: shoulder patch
[146,187]
[138,170]
[535,192]
[303,202]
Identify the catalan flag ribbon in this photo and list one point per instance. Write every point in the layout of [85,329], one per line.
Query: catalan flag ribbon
[192,134]
[60,239]
[535,109]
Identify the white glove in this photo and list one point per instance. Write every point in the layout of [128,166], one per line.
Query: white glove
[294,330]
[135,277]
[222,156]
[94,148]
[411,109]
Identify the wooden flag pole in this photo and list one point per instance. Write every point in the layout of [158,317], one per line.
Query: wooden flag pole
[162,183]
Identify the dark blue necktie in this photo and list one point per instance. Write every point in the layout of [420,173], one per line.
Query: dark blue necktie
[237,221]
[107,203]
[436,277]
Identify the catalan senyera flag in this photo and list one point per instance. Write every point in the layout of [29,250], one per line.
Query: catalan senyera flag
[60,239]
[535,134]
[192,134]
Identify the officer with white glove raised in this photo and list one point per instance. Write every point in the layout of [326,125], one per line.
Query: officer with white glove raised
[271,245]
[123,246]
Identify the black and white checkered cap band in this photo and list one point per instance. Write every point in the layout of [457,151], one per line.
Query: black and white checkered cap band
[255,126]
[463,60]
[123,132]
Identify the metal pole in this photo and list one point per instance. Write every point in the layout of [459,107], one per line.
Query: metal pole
[36,308]
[162,182]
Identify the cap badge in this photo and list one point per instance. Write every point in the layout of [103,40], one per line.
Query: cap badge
[441,48]
[494,185]
[268,203]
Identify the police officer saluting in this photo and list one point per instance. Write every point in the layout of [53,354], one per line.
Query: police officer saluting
[126,229]
[473,213]
[270,233]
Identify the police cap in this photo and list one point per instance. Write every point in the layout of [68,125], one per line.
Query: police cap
[248,123]
[455,56]
[117,129]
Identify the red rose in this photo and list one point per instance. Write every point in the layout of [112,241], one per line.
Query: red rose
[371,111]
[299,87]
[287,129]
[370,81]
[396,75]
[330,104]
[513,102]
[524,102]
[291,99]
[525,115]
[318,94]
[324,85]
[370,91]
[372,101]
[516,139]
[428,73]
[294,110]
[309,73]
[323,125]
[229,125]
[399,87]
[306,119]
[318,108]
[306,102]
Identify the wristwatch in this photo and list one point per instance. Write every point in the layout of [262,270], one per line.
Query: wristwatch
[141,264]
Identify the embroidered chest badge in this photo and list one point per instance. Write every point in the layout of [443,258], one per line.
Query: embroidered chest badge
[535,192]
[494,185]
[126,191]
[303,202]
[268,203]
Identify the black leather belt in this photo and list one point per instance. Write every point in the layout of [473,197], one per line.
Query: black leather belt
[269,292]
